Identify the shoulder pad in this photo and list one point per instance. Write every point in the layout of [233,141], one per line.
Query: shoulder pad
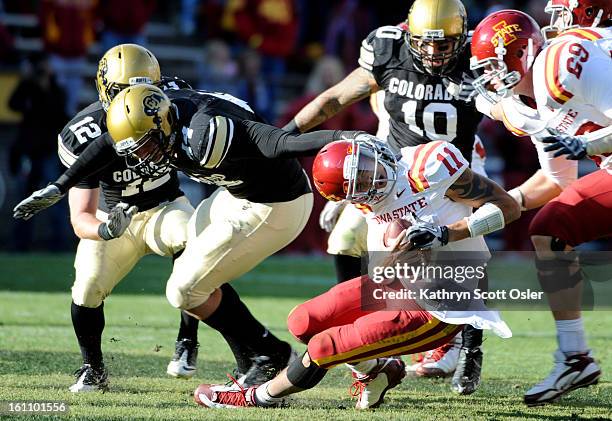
[87,125]
[170,83]
[433,165]
[210,138]
[377,49]
[557,72]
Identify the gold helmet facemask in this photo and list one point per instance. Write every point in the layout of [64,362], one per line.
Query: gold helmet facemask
[437,33]
[122,66]
[140,121]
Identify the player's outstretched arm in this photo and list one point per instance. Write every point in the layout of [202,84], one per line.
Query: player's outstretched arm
[359,84]
[273,142]
[495,207]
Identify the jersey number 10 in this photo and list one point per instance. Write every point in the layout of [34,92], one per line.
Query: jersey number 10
[428,118]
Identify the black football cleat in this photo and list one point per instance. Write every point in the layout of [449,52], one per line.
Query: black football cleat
[90,379]
[183,363]
[467,375]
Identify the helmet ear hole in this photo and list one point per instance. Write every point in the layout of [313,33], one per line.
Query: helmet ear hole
[520,53]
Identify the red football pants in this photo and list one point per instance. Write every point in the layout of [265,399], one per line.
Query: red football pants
[338,331]
[581,213]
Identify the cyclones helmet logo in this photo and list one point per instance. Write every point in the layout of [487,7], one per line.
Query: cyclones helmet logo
[505,32]
[151,104]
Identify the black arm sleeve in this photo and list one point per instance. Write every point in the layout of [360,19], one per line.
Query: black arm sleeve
[273,142]
[98,155]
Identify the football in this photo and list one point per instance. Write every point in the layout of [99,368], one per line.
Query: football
[394,230]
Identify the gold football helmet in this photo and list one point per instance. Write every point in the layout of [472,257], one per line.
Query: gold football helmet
[437,33]
[140,121]
[122,66]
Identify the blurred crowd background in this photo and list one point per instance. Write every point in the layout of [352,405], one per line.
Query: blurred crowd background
[275,54]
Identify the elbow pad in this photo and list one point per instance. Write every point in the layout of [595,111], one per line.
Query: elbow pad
[487,219]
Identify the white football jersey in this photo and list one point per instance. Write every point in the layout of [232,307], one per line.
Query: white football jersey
[425,173]
[571,81]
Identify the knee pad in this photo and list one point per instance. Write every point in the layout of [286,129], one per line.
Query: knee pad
[320,346]
[305,377]
[298,322]
[557,274]
[88,293]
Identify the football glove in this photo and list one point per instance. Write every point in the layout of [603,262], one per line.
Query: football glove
[424,235]
[118,220]
[37,201]
[572,146]
[329,215]
[462,91]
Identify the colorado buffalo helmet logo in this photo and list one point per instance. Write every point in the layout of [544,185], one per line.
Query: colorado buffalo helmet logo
[151,103]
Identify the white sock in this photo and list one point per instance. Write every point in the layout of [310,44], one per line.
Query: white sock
[364,367]
[570,335]
[263,397]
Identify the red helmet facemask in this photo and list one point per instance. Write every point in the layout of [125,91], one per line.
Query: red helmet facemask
[566,14]
[504,47]
[358,170]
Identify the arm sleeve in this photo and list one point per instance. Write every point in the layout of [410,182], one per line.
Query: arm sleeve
[273,142]
[98,155]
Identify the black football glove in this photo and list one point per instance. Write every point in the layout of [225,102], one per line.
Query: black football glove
[118,220]
[37,201]
[563,144]
[462,91]
[424,235]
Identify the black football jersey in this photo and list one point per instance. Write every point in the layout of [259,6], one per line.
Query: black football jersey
[117,182]
[420,108]
[217,147]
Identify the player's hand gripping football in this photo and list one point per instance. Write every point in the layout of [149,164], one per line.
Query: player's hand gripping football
[37,201]
[424,235]
[329,215]
[118,220]
[572,146]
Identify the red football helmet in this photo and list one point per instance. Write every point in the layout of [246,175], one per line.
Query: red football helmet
[566,14]
[504,46]
[361,170]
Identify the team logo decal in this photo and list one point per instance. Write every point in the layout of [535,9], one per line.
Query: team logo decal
[151,104]
[505,33]
[103,71]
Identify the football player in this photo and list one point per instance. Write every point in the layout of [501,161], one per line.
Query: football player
[217,139]
[135,216]
[558,93]
[435,182]
[413,68]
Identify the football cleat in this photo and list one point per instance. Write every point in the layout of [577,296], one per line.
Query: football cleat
[440,362]
[265,368]
[90,379]
[225,396]
[183,363]
[569,373]
[371,388]
[467,375]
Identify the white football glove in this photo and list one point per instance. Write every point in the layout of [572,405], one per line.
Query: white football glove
[118,220]
[464,91]
[37,201]
[424,235]
[329,215]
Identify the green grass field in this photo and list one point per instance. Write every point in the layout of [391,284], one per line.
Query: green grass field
[38,352]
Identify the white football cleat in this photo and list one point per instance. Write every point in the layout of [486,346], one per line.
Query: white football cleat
[183,363]
[569,373]
[90,379]
[372,387]
[439,362]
